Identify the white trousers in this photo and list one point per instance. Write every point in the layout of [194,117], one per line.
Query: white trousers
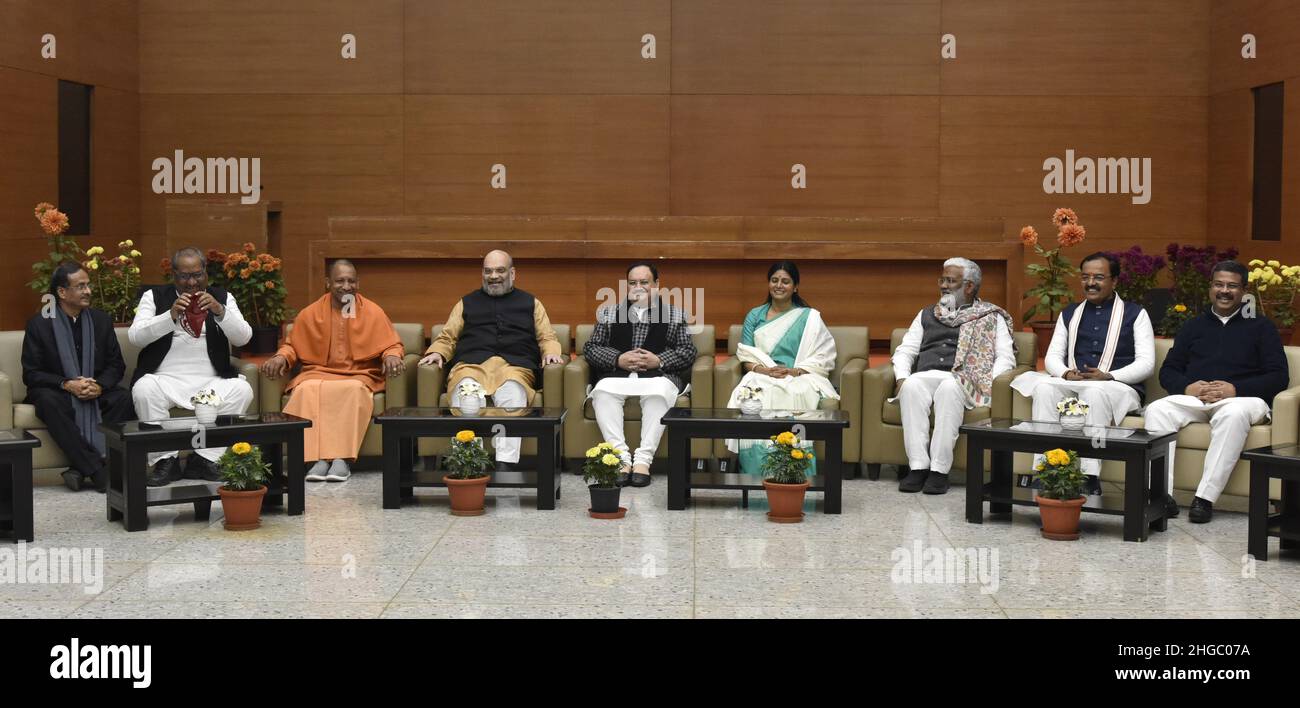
[922,392]
[156,395]
[655,395]
[1105,400]
[1230,422]
[510,395]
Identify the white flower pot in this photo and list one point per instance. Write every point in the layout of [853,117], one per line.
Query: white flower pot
[751,406]
[1073,422]
[470,406]
[206,414]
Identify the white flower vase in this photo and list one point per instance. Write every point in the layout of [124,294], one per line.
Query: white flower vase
[1073,422]
[470,405]
[206,414]
[751,406]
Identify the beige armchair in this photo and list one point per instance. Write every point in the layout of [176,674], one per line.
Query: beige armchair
[1194,440]
[851,347]
[398,392]
[431,391]
[882,422]
[580,429]
[48,460]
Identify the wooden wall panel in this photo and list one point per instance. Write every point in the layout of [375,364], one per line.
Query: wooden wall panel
[808,47]
[1228,199]
[563,154]
[97,42]
[115,187]
[29,145]
[1077,47]
[282,47]
[1276,26]
[535,46]
[865,155]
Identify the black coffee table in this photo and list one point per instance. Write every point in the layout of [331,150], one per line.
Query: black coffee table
[1266,463]
[1144,456]
[129,497]
[404,426]
[684,424]
[16,487]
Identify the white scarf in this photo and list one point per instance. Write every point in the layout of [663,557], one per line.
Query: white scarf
[1112,334]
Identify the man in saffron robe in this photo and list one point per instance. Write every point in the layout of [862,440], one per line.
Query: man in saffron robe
[347,347]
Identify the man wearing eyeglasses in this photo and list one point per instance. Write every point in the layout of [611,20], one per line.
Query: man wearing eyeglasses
[72,366]
[185,331]
[946,364]
[1102,351]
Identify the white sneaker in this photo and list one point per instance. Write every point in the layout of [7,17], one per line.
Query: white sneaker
[317,471]
[339,471]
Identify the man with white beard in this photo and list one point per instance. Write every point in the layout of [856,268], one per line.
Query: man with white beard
[946,363]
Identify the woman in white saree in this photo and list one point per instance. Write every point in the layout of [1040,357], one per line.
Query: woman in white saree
[787,354]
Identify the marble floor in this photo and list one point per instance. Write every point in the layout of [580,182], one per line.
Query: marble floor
[887,555]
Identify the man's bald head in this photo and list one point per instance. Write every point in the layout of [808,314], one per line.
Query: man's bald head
[498,273]
[498,258]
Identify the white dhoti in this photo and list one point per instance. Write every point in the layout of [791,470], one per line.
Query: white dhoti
[1108,403]
[657,394]
[156,394]
[922,392]
[511,394]
[1230,420]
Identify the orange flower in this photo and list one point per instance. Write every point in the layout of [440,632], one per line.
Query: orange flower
[1071,235]
[1029,236]
[268,267]
[42,208]
[53,221]
[263,258]
[250,248]
[270,285]
[165,265]
[245,273]
[1064,216]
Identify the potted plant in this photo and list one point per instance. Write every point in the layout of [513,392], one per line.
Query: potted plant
[466,477]
[1190,268]
[115,281]
[1138,273]
[1274,286]
[470,395]
[205,406]
[243,476]
[256,280]
[785,477]
[1073,413]
[600,471]
[1055,275]
[60,247]
[1060,501]
[750,403]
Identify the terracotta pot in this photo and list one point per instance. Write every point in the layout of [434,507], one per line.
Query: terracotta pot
[786,501]
[243,510]
[1043,334]
[467,495]
[1060,517]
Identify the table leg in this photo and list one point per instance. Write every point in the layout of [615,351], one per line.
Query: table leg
[559,461]
[1001,481]
[275,486]
[116,479]
[834,474]
[203,510]
[1135,497]
[1257,518]
[297,469]
[406,465]
[678,471]
[20,468]
[1290,508]
[135,494]
[392,473]
[974,480]
[546,472]
[1158,489]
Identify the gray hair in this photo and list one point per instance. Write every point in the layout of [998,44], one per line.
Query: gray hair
[970,271]
[192,252]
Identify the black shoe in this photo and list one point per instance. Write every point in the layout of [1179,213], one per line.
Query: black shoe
[164,472]
[913,482]
[199,467]
[639,480]
[72,480]
[936,483]
[505,466]
[1201,512]
[624,479]
[1091,486]
[1171,507]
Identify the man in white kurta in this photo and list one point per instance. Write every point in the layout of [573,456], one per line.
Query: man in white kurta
[946,364]
[1102,351]
[177,359]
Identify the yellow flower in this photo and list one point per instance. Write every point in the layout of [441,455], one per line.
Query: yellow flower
[1058,457]
[1256,262]
[94,265]
[135,254]
[606,446]
[786,438]
[1252,276]
[773,438]
[241,448]
[796,454]
[465,436]
[129,243]
[1180,307]
[135,270]
[1274,264]
[593,452]
[610,459]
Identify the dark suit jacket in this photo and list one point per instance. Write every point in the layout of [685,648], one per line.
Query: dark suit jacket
[41,365]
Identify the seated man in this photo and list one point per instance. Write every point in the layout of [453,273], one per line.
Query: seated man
[72,366]
[185,331]
[1101,353]
[947,362]
[640,348]
[499,337]
[1224,369]
[346,345]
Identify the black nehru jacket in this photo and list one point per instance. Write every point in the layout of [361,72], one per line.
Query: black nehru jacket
[1246,352]
[42,367]
[498,326]
[151,357]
